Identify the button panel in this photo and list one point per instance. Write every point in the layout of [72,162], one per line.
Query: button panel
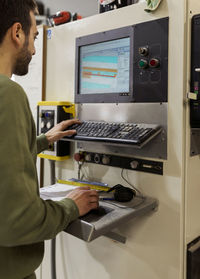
[124,162]
[47,120]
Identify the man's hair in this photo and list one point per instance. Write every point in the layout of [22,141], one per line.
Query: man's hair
[12,11]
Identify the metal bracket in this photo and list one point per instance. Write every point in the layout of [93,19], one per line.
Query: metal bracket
[91,226]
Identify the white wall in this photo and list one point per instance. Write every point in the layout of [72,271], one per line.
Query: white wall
[83,7]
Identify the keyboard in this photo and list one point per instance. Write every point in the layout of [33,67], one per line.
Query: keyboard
[115,132]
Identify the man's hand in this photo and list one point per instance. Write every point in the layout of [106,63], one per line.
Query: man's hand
[85,199]
[57,132]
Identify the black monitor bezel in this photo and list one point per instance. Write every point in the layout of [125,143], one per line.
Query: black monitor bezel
[124,32]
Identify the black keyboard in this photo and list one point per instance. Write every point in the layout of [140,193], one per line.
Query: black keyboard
[124,133]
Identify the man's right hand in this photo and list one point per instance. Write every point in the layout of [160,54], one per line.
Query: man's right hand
[85,199]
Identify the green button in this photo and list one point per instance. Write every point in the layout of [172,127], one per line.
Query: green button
[143,64]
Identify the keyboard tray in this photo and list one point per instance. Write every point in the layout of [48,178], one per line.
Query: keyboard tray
[132,134]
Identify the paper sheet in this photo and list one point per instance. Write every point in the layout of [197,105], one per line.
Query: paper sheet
[56,191]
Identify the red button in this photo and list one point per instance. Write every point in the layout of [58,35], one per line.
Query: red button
[154,63]
[78,157]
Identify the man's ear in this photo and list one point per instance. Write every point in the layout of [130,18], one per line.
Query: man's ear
[17,33]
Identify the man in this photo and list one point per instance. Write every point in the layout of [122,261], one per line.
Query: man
[25,219]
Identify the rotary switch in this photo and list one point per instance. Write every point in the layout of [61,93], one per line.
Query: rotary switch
[144,51]
[97,158]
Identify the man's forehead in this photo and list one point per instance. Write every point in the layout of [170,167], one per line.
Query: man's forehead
[33,22]
[33,19]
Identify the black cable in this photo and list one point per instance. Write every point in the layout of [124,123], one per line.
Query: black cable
[132,186]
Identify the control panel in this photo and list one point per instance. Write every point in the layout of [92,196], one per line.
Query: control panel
[48,115]
[124,65]
[150,70]
[131,163]
[47,120]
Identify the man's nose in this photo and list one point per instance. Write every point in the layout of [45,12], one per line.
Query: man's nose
[34,51]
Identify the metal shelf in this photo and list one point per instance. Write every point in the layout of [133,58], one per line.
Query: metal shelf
[91,226]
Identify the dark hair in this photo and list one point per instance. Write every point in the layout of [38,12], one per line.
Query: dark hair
[12,11]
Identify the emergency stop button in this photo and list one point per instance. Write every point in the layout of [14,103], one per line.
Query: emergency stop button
[154,63]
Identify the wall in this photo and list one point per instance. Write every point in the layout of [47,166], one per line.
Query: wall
[83,7]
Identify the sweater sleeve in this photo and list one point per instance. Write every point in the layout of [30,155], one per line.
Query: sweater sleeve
[42,143]
[24,217]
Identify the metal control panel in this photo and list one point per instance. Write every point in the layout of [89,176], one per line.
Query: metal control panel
[100,91]
[48,115]
[123,162]
[150,74]
[124,65]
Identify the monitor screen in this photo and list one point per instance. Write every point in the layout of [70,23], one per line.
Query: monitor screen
[104,67]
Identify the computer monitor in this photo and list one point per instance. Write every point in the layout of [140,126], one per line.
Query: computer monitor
[128,64]
[103,67]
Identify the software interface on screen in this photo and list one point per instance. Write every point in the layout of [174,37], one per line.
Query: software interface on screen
[104,67]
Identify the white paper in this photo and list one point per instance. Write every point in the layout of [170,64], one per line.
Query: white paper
[56,191]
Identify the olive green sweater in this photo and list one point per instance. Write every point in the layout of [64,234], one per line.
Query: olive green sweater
[25,219]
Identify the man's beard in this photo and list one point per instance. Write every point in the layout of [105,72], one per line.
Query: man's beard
[22,61]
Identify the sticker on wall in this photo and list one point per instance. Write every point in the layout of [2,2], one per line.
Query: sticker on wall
[49,33]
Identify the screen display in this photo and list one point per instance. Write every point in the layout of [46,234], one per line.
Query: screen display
[104,67]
